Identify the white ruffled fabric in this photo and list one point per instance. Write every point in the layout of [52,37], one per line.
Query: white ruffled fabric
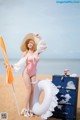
[17,66]
[54,102]
[41,47]
[45,109]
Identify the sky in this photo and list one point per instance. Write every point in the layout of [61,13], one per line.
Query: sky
[58,24]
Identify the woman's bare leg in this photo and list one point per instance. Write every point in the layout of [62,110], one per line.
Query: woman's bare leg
[33,79]
[28,88]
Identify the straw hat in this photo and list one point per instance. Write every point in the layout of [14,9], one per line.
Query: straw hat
[31,36]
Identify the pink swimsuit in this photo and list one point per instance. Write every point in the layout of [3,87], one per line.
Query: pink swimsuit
[31,66]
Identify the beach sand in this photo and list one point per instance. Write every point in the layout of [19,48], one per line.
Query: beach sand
[7,100]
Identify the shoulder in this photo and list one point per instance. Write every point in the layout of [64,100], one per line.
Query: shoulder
[36,53]
[24,54]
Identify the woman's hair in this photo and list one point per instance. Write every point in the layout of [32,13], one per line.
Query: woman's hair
[34,46]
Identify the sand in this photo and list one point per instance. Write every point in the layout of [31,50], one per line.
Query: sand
[7,100]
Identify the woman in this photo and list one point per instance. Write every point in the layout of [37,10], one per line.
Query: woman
[31,47]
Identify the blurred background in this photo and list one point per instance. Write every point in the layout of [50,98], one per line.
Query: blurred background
[58,24]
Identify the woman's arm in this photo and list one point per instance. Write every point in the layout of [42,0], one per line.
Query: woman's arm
[17,66]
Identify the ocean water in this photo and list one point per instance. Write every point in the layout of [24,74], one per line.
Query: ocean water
[51,66]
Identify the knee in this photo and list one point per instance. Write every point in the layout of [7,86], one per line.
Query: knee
[28,87]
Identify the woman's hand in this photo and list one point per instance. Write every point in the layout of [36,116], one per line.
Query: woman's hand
[38,36]
[6,65]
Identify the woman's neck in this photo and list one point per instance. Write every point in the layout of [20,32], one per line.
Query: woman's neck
[30,51]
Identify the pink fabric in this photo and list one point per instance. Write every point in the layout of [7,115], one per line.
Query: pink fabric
[31,66]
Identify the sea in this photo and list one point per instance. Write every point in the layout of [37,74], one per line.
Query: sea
[49,66]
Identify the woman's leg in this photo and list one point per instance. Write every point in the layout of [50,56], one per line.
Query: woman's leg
[33,79]
[28,88]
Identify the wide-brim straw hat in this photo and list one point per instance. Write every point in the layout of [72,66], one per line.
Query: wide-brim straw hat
[31,36]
